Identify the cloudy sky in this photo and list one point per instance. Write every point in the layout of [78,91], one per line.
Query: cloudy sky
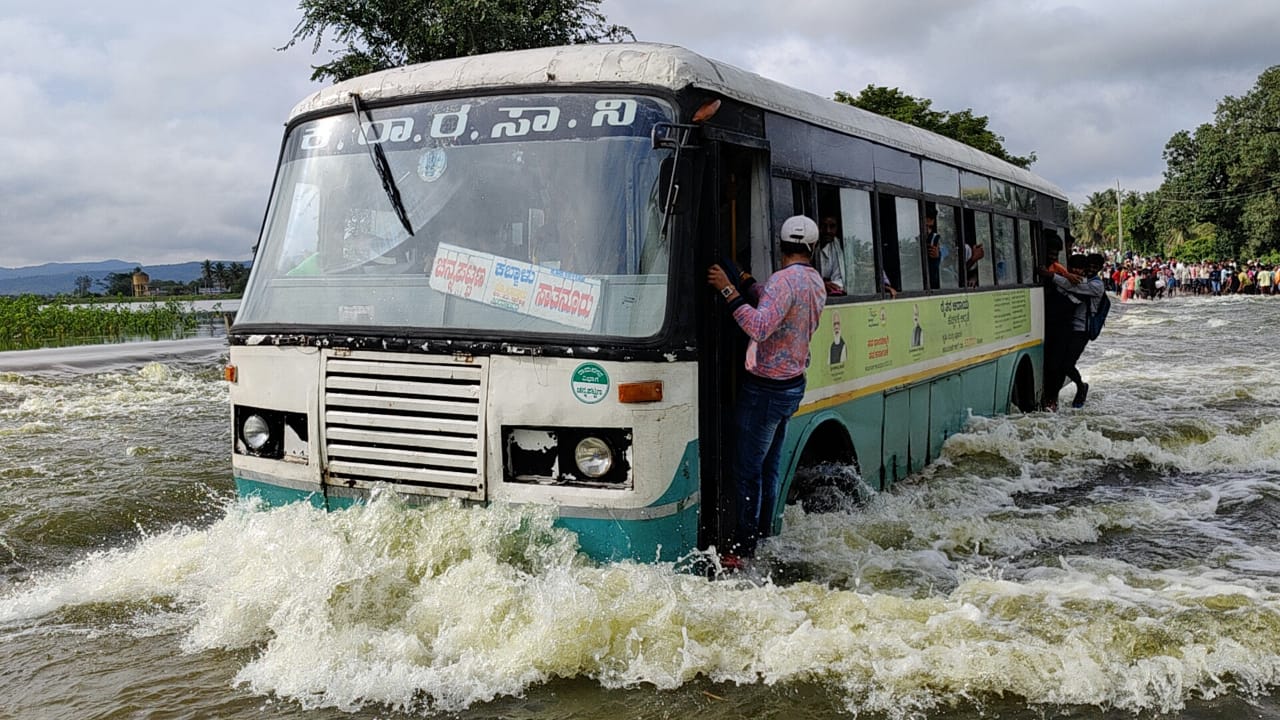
[148,131]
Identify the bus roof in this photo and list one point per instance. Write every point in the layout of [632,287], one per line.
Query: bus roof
[662,66]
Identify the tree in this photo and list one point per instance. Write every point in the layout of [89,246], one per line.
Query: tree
[381,34]
[239,278]
[220,275]
[83,283]
[119,284]
[963,126]
[1091,221]
[1098,224]
[1226,176]
[206,273]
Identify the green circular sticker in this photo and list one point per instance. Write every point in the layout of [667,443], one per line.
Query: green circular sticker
[590,383]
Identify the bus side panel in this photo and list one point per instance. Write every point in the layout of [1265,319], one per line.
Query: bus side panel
[920,413]
[948,411]
[895,457]
[980,388]
[864,419]
[1005,368]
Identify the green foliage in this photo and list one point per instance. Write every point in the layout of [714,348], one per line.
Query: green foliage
[28,321]
[1220,199]
[1227,174]
[119,284]
[1199,242]
[963,126]
[381,34]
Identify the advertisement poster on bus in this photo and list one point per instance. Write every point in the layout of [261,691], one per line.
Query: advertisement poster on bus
[864,339]
[547,293]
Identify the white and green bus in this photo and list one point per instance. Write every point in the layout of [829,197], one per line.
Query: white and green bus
[484,278]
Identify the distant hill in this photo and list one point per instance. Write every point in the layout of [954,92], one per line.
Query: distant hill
[54,278]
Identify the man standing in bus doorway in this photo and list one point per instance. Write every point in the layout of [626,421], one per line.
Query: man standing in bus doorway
[787,312]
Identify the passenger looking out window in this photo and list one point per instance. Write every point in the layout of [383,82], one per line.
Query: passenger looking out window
[830,256]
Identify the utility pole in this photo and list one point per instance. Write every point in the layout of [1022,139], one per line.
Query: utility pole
[1119,220]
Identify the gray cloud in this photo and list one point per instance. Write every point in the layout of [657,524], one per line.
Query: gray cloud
[149,131]
[1094,88]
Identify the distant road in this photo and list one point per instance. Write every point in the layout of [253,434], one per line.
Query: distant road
[117,356]
[227,306]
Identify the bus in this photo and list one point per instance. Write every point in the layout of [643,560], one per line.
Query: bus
[484,278]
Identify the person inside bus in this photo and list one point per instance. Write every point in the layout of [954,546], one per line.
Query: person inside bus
[829,259]
[885,285]
[933,249]
[780,326]
[973,253]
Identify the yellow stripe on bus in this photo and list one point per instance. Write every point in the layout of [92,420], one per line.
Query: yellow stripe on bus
[905,380]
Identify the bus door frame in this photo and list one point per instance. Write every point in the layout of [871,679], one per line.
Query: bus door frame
[723,343]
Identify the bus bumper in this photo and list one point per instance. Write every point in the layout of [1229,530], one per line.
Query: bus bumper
[671,532]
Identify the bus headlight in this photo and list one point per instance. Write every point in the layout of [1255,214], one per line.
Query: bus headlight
[593,457]
[256,432]
[274,434]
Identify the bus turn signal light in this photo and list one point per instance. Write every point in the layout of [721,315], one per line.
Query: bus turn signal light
[640,392]
[230,374]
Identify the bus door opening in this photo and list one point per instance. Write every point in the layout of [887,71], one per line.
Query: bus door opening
[740,219]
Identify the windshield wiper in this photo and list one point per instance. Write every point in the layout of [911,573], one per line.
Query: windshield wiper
[379,157]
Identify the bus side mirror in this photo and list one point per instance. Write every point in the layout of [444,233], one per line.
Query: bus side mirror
[675,186]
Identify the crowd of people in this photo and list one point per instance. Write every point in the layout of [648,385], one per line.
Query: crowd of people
[1133,277]
[1074,294]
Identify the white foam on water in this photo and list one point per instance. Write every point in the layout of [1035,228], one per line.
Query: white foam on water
[966,582]
[446,606]
[41,406]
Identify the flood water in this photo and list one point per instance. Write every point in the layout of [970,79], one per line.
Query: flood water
[1118,561]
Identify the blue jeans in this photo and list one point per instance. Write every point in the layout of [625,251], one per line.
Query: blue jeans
[762,424]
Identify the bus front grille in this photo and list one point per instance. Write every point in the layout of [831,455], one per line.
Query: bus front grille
[414,423]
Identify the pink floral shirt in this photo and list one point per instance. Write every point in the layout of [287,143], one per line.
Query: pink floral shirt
[784,319]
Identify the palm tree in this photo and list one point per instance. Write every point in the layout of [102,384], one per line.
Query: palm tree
[1095,217]
[206,273]
[220,273]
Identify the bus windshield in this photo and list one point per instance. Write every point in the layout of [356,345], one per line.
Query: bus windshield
[529,214]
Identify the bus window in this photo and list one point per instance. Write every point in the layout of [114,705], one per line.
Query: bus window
[940,179]
[910,275]
[829,258]
[1026,252]
[944,269]
[858,238]
[975,188]
[801,200]
[1005,257]
[301,231]
[977,227]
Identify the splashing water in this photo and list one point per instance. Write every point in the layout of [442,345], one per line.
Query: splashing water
[1117,557]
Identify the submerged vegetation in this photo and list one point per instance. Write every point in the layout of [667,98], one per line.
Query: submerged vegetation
[28,322]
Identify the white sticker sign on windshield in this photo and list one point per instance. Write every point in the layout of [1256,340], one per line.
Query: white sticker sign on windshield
[432,164]
[561,297]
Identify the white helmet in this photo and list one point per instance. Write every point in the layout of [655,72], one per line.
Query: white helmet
[800,230]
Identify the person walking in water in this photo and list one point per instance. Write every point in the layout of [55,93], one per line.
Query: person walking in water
[1084,288]
[786,314]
